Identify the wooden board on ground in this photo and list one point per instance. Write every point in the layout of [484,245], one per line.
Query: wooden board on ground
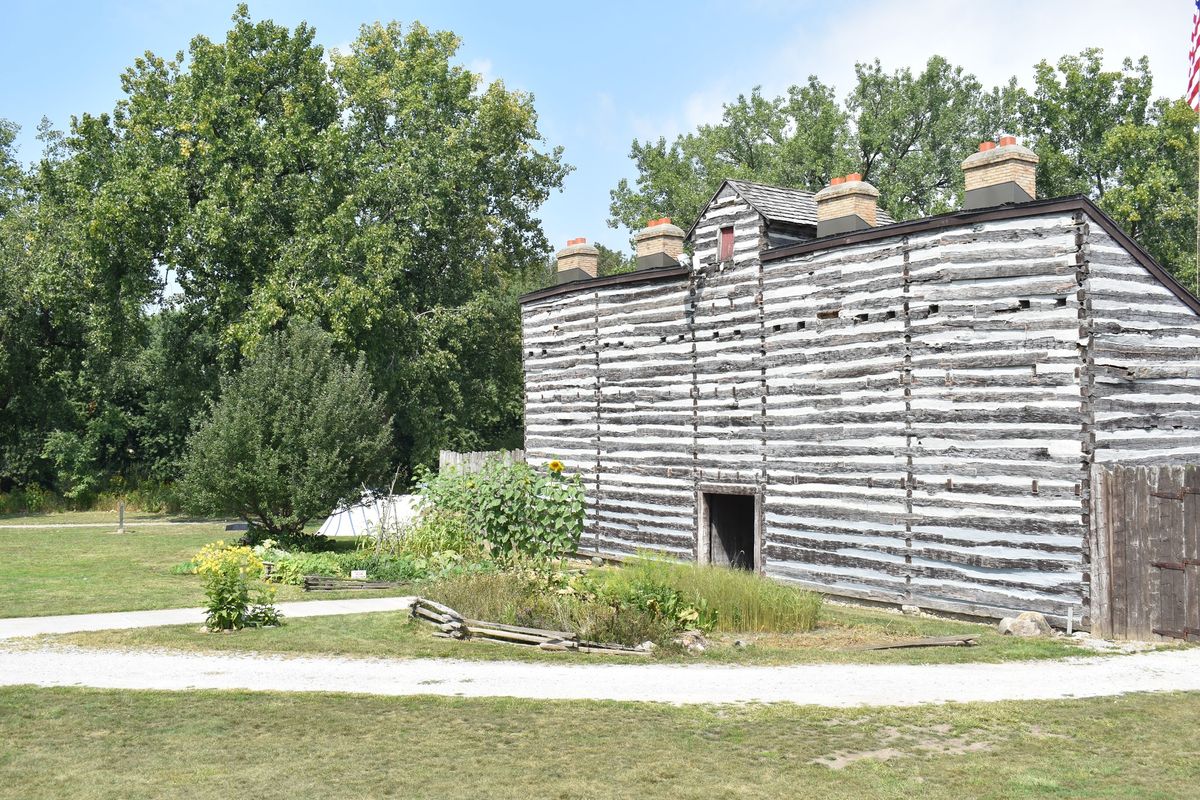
[967,640]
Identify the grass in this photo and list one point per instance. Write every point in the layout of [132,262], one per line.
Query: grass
[742,601]
[97,744]
[92,517]
[85,570]
[393,635]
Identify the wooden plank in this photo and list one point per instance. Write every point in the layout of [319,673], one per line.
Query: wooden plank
[1100,611]
[967,640]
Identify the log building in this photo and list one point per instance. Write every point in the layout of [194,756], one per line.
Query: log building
[904,412]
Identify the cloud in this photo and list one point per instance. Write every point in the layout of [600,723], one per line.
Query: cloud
[993,41]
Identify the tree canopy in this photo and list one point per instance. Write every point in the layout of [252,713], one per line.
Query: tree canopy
[384,192]
[1097,132]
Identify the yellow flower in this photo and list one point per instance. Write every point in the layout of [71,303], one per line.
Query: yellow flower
[555,466]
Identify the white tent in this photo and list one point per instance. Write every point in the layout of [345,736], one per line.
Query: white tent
[370,514]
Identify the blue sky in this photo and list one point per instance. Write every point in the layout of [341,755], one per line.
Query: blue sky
[603,73]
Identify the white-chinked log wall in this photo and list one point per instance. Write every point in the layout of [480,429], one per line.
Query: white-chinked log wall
[918,413]
[1145,354]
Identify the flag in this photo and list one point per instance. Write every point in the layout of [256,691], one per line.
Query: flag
[1193,91]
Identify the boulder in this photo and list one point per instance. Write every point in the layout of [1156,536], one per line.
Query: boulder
[910,611]
[692,641]
[1026,624]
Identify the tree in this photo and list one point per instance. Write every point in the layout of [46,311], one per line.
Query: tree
[1096,132]
[384,192]
[912,133]
[296,431]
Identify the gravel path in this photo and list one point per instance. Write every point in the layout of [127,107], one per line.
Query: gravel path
[74,623]
[822,685]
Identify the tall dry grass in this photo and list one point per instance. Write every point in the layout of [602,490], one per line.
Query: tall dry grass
[743,601]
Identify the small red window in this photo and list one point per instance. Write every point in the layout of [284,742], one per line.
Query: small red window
[726,244]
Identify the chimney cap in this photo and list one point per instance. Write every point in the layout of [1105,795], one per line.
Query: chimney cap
[660,221]
[1008,149]
[851,184]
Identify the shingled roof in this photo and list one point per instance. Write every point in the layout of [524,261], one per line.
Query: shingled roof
[781,204]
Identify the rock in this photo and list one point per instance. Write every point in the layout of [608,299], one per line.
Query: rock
[647,645]
[693,641]
[910,611]
[1026,624]
[597,561]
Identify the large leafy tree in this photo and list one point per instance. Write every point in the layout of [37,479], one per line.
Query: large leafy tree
[1099,133]
[384,192]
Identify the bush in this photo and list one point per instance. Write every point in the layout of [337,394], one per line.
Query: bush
[722,598]
[294,433]
[227,572]
[518,511]
[435,530]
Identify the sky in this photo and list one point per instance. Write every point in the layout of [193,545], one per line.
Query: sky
[602,74]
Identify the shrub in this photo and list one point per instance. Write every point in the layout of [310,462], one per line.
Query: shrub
[227,572]
[520,512]
[435,530]
[293,434]
[725,599]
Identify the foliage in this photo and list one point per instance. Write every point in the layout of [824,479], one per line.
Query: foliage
[402,565]
[294,433]
[1097,133]
[227,572]
[435,530]
[520,512]
[518,597]
[383,191]
[708,597]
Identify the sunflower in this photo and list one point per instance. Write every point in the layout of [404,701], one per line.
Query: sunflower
[555,466]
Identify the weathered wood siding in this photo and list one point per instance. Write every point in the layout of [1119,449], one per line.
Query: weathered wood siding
[1147,552]
[835,500]
[918,412]
[1145,357]
[646,495]
[562,390]
[727,366]
[924,418]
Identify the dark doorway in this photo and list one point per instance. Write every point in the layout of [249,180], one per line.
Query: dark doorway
[731,529]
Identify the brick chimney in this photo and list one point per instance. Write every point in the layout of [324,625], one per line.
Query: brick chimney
[577,261]
[846,204]
[1002,174]
[659,244]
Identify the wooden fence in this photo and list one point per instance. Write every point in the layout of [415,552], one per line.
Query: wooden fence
[473,462]
[1146,552]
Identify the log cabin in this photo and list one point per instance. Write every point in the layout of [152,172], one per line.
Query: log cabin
[901,412]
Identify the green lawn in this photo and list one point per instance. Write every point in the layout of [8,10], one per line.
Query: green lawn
[92,517]
[89,744]
[394,635]
[83,570]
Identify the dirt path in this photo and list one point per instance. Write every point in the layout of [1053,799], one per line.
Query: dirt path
[822,685]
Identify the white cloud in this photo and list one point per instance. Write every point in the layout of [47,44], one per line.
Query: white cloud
[994,41]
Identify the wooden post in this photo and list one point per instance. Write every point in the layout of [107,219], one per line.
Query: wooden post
[121,516]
